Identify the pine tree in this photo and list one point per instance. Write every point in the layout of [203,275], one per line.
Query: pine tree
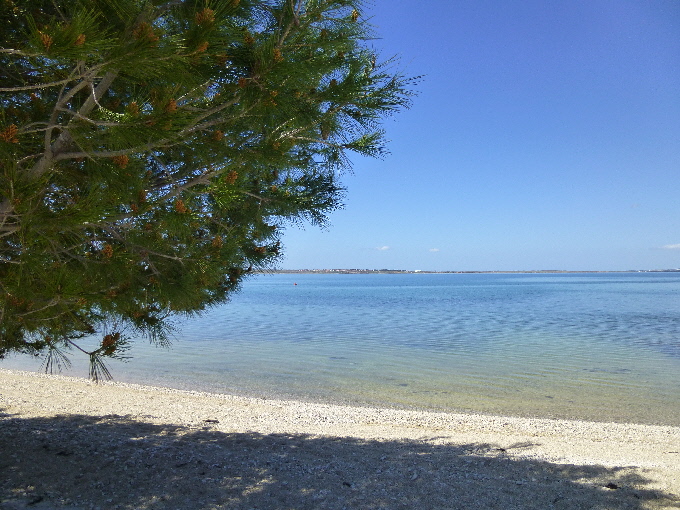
[152,152]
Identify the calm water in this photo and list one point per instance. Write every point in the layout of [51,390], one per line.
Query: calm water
[591,346]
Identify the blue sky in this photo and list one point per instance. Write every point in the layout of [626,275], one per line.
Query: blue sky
[546,135]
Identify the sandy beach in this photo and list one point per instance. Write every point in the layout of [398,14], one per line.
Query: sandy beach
[69,443]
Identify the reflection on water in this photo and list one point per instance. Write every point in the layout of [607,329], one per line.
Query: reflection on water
[596,346]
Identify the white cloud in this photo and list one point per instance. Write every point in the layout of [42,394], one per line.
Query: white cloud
[671,247]
[383,248]
[434,250]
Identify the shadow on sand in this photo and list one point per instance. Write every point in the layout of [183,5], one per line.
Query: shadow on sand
[111,462]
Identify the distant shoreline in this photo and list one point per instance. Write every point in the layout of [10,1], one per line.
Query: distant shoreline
[408,271]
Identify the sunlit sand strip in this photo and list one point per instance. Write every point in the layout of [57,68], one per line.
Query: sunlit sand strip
[652,449]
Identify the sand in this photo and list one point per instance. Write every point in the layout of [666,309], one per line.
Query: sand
[68,443]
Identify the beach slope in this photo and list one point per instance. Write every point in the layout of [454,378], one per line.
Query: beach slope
[69,443]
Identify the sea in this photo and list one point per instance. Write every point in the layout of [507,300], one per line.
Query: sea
[590,346]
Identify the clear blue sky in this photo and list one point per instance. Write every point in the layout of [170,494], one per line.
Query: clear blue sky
[546,135]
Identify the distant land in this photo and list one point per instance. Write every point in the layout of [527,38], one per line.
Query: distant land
[418,271]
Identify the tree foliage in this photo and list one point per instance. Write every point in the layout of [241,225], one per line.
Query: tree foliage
[151,153]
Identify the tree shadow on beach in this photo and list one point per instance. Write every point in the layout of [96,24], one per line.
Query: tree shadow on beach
[112,462]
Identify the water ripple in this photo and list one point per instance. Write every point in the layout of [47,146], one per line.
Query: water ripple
[593,346]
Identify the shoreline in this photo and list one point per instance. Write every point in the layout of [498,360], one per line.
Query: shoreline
[524,460]
[561,407]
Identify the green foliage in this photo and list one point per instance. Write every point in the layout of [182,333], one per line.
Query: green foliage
[151,153]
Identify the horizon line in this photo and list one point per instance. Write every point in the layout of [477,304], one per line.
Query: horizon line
[452,271]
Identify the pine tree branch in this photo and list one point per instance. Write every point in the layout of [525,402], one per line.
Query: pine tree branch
[114,232]
[61,14]
[294,21]
[46,159]
[86,79]
[64,139]
[162,255]
[8,231]
[37,86]
[203,178]
[196,124]
[12,51]
[258,197]
[7,212]
[27,128]
[95,123]
[320,141]
[73,344]
[51,303]
[107,154]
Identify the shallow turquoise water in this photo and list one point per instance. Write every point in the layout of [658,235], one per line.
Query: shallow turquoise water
[590,346]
